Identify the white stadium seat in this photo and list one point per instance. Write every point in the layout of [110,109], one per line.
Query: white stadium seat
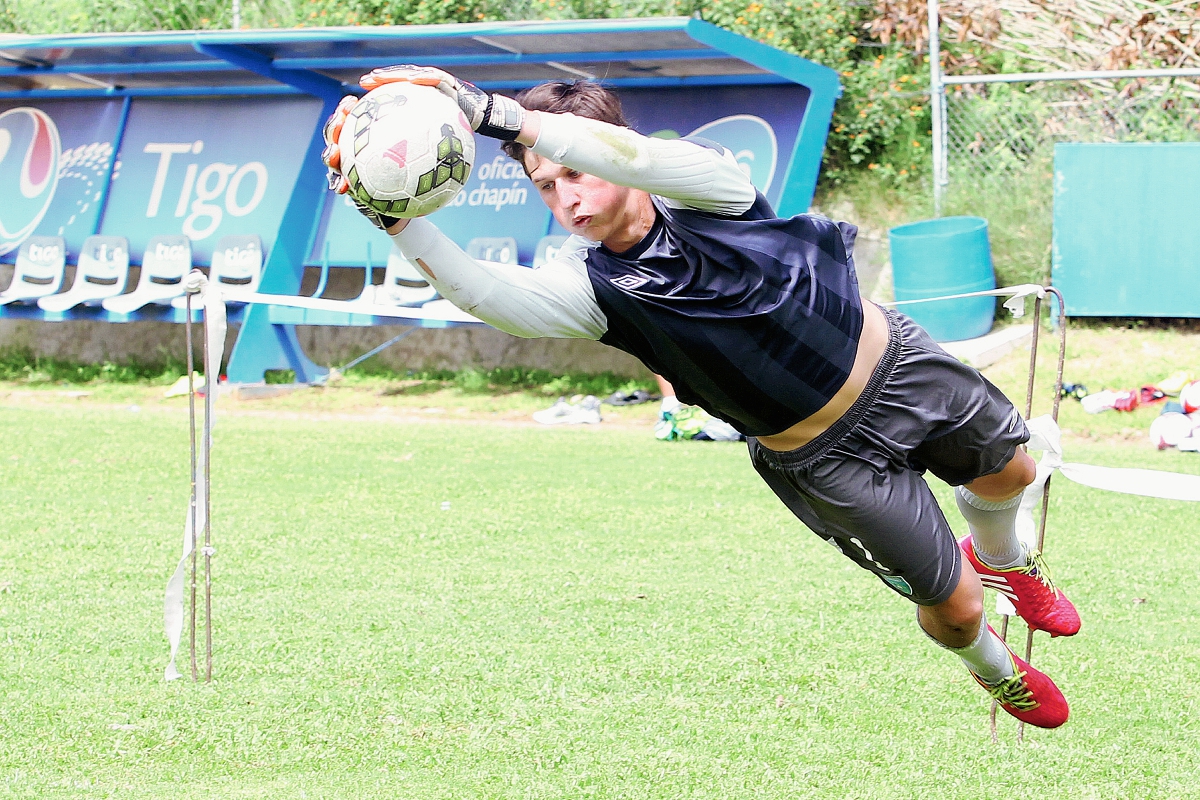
[102,271]
[165,262]
[501,249]
[237,265]
[41,262]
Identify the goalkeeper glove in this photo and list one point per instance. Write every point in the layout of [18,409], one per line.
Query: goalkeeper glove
[332,156]
[491,115]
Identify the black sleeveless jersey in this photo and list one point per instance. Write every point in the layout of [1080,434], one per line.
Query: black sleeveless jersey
[754,318]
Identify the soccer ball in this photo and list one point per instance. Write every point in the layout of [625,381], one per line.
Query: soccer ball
[1189,397]
[406,150]
[1169,429]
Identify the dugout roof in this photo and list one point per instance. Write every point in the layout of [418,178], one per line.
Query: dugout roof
[641,52]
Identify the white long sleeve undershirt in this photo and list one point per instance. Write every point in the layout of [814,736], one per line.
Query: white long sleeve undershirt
[688,174]
[556,300]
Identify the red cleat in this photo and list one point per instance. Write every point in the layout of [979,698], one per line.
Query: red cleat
[1039,602]
[1028,695]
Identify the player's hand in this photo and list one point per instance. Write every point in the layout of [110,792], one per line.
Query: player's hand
[332,156]
[491,115]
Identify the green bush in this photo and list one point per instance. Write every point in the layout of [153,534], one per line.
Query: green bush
[498,380]
[81,16]
[22,366]
[881,123]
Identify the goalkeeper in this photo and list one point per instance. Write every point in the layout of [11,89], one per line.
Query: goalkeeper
[678,260]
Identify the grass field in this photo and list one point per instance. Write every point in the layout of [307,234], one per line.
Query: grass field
[596,615]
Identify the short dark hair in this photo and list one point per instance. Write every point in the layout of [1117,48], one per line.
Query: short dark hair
[582,98]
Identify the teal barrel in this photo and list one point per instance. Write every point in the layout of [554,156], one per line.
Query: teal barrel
[937,257]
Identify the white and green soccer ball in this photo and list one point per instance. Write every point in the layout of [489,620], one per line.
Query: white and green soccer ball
[407,150]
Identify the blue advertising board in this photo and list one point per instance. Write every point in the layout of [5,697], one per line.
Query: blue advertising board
[203,168]
[758,124]
[207,169]
[55,157]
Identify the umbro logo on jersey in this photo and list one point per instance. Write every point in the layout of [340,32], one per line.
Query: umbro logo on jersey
[1000,584]
[629,282]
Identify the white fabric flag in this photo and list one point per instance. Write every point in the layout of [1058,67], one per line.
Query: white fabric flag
[174,608]
[1045,436]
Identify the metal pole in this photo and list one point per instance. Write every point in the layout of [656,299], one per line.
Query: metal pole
[937,102]
[210,388]
[1058,383]
[187,327]
[237,14]
[1033,354]
[1093,75]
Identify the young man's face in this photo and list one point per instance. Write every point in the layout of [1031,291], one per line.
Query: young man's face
[583,204]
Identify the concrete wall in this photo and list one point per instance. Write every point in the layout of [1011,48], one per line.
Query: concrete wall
[446,348]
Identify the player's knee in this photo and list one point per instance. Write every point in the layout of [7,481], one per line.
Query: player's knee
[1009,482]
[1024,470]
[960,615]
[963,609]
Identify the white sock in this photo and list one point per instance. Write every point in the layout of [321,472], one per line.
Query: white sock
[987,656]
[670,404]
[993,528]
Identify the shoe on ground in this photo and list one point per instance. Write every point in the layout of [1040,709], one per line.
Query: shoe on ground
[718,430]
[585,412]
[1040,603]
[1173,384]
[1028,695]
[180,387]
[636,397]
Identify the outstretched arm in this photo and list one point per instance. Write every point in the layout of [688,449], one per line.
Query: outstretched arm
[556,300]
[691,175]
[686,174]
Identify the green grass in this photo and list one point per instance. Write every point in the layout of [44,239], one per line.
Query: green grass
[23,367]
[597,615]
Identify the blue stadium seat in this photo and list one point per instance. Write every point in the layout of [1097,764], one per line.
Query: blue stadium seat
[237,265]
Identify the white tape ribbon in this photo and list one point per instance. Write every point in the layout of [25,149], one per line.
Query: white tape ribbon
[1015,302]
[1045,436]
[174,608]
[438,310]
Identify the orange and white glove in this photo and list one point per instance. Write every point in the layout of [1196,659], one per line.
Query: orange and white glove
[488,114]
[332,156]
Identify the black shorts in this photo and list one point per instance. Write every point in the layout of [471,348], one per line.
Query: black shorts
[858,485]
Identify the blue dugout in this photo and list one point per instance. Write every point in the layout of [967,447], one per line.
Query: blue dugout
[216,134]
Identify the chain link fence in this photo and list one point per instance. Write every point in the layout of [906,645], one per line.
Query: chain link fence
[1000,131]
